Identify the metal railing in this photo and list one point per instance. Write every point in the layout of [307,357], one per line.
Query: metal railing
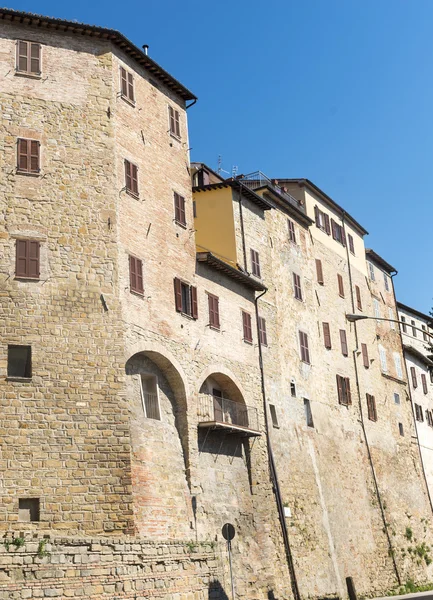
[151,406]
[258,179]
[223,410]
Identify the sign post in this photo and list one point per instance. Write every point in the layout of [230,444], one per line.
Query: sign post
[228,532]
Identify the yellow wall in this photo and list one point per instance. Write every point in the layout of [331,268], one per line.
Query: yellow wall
[214,223]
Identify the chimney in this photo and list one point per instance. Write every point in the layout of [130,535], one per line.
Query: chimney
[145,48]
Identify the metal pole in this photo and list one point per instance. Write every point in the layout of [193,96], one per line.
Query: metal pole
[229,548]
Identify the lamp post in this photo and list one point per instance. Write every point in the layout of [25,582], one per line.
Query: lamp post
[352,318]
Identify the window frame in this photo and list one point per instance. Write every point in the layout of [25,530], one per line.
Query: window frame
[358,297]
[297,287]
[327,341]
[371,271]
[365,359]
[174,123]
[340,285]
[383,359]
[127,97]
[343,343]
[28,242]
[371,407]
[131,174]
[304,347]
[424,383]
[319,272]
[343,390]
[398,365]
[351,244]
[255,263]
[292,232]
[274,417]
[214,321]
[179,287]
[143,400]
[29,155]
[247,329]
[179,209]
[137,273]
[28,73]
[263,336]
[308,413]
[28,368]
[413,377]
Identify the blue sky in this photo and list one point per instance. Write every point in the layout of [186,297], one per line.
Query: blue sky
[338,91]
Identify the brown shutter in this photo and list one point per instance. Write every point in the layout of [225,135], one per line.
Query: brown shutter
[35,59]
[358,297]
[21,261]
[413,374]
[194,306]
[172,121]
[124,82]
[351,244]
[33,253]
[340,285]
[343,235]
[23,159]
[131,87]
[139,271]
[177,123]
[317,216]
[132,273]
[424,383]
[340,389]
[22,57]
[327,225]
[213,302]
[319,271]
[34,156]
[262,331]
[178,294]
[255,263]
[128,179]
[248,334]
[327,335]
[365,360]
[333,227]
[179,209]
[348,394]
[134,179]
[305,352]
[343,341]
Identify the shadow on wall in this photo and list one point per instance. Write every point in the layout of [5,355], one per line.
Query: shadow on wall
[216,591]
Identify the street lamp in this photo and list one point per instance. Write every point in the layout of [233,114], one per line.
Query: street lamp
[353,318]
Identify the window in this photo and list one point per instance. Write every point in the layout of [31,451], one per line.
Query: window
[351,244]
[246,322]
[319,271]
[327,336]
[308,413]
[214,311]
[255,263]
[413,375]
[371,271]
[27,261]
[28,156]
[397,363]
[386,281]
[179,209]
[396,398]
[136,275]
[338,232]
[273,416]
[297,286]
[376,307]
[127,85]
[291,227]
[413,328]
[28,510]
[358,297]
[340,285]
[343,340]
[365,360]
[431,375]
[149,396]
[429,417]
[262,332]
[343,388]
[424,383]
[400,429]
[293,388]
[418,413]
[20,361]
[371,407]
[28,58]
[403,324]
[174,122]
[391,316]
[322,220]
[305,353]
[185,298]
[131,178]
[382,357]
[424,333]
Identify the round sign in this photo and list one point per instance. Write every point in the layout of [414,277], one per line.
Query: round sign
[228,532]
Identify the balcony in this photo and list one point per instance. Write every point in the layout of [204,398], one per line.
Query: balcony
[257,180]
[224,414]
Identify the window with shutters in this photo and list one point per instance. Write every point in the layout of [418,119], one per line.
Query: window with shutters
[319,271]
[185,298]
[424,383]
[303,342]
[28,61]
[403,324]
[174,122]
[308,413]
[400,429]
[19,362]
[340,285]
[371,271]
[429,417]
[358,297]
[398,367]
[338,232]
[179,209]
[418,413]
[424,333]
[297,286]
[413,376]
[136,275]
[391,316]
[364,352]
[431,375]
[413,323]
[274,417]
[343,389]
[28,156]
[386,281]
[131,178]
[322,220]
[371,407]
[327,335]
[246,326]
[351,244]
[343,340]
[262,332]
[214,311]
[396,398]
[376,307]
[127,86]
[292,234]
[383,362]
[27,259]
[255,263]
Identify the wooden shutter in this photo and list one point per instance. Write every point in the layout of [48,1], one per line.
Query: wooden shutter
[342,235]
[319,271]
[262,331]
[343,341]
[334,229]
[179,209]
[33,254]
[297,286]
[21,258]
[22,162]
[358,297]
[413,374]
[340,285]
[131,87]
[255,263]
[327,225]
[131,177]
[34,156]
[27,262]
[174,121]
[305,352]
[134,177]
[351,243]
[365,360]
[340,389]
[28,156]
[348,394]
[246,320]
[178,294]
[214,320]
[194,305]
[371,407]
[22,57]
[35,58]
[177,123]
[317,216]
[327,335]
[292,235]
[128,178]
[424,383]
[124,82]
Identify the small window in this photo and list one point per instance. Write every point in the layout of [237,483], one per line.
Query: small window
[131,178]
[358,297]
[386,281]
[127,85]
[20,361]
[391,316]
[403,324]
[327,336]
[413,323]
[343,340]
[400,429]
[308,413]
[174,122]
[319,271]
[371,407]
[136,275]
[214,311]
[351,244]
[382,358]
[338,232]
[418,413]
[274,416]
[27,262]
[247,329]
[429,418]
[424,333]
[28,156]
[376,307]
[343,389]
[297,286]
[149,396]
[28,510]
[293,389]
[371,271]
[28,58]
[262,332]
[185,298]
[291,227]
[414,379]
[340,285]
[365,360]
[255,263]
[397,363]
[179,209]
[396,398]
[424,383]
[322,220]
[305,352]
[431,375]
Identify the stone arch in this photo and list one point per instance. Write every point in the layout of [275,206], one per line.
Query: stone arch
[226,378]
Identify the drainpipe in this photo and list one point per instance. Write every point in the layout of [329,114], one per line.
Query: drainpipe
[358,389]
[272,466]
[241,217]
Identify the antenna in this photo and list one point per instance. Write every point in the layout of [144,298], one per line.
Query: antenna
[220,162]
[234,171]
